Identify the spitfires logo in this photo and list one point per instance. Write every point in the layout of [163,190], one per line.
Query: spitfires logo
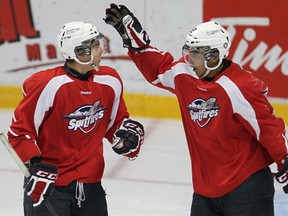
[85,118]
[202,111]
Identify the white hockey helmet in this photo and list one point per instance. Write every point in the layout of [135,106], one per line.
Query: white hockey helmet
[209,36]
[75,38]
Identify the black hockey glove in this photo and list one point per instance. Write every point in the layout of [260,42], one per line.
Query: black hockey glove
[128,138]
[128,26]
[282,175]
[41,183]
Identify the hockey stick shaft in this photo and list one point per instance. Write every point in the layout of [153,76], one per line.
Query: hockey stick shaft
[23,168]
[15,156]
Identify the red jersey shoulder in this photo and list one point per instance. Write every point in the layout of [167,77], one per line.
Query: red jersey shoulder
[106,70]
[41,78]
[246,80]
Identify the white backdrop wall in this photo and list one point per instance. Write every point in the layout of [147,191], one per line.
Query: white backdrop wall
[167,23]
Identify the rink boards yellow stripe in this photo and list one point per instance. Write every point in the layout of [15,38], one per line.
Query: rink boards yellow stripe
[142,105]
[10,96]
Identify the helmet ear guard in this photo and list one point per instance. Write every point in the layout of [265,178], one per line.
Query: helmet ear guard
[81,51]
[211,53]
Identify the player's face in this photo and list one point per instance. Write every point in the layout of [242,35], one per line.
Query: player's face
[98,49]
[200,70]
[194,56]
[99,43]
[94,47]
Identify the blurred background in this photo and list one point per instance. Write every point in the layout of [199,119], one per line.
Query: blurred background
[28,31]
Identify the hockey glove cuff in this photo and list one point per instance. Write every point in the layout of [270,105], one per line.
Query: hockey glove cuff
[128,138]
[128,26]
[41,183]
[282,175]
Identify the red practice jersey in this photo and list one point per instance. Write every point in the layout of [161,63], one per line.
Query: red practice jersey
[230,127]
[64,119]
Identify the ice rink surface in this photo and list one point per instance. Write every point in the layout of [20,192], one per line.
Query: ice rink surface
[157,183]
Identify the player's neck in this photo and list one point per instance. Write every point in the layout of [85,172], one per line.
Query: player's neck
[82,69]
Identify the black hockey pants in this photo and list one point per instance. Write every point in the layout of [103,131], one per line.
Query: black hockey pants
[91,202]
[254,197]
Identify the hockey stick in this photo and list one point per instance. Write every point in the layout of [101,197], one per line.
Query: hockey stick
[23,168]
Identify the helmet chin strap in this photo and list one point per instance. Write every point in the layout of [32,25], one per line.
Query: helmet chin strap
[205,74]
[89,62]
[95,66]
[209,69]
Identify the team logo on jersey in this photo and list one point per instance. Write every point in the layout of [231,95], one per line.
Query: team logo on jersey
[202,111]
[86,117]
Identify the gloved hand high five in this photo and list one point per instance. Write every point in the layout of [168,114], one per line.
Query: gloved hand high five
[128,26]
[128,138]
[282,174]
[41,182]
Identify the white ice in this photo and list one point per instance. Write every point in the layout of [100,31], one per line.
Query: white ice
[157,183]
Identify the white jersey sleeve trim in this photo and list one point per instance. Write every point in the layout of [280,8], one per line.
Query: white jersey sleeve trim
[239,104]
[152,50]
[167,78]
[23,92]
[47,97]
[286,141]
[13,133]
[115,84]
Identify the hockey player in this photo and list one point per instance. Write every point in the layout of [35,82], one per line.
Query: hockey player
[232,134]
[58,127]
